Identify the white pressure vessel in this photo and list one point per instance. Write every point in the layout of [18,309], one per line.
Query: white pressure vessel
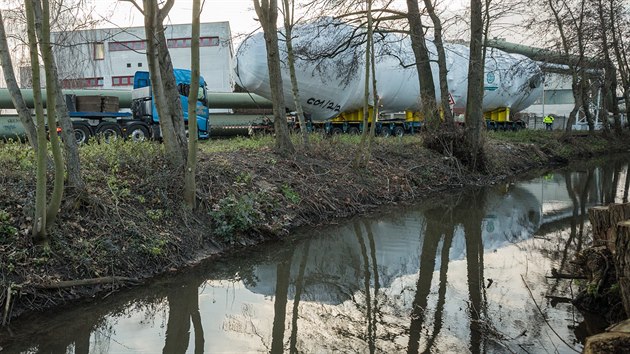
[330,69]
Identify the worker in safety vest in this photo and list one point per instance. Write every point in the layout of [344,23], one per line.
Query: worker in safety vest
[548,120]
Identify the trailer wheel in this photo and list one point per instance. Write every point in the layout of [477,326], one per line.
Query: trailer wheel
[137,132]
[336,131]
[385,132]
[82,133]
[399,131]
[107,132]
[354,131]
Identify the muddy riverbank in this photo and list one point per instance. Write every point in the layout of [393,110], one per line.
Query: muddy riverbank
[130,226]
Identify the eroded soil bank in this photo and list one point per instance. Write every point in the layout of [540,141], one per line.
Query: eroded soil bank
[130,225]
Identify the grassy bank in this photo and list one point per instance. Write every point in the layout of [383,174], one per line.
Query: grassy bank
[130,224]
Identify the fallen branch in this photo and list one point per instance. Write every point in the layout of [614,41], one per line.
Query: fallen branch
[7,305]
[565,276]
[85,282]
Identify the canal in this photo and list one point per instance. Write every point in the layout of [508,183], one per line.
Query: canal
[463,273]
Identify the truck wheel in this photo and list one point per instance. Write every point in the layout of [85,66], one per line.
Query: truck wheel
[82,133]
[385,132]
[399,131]
[137,132]
[107,132]
[336,131]
[354,131]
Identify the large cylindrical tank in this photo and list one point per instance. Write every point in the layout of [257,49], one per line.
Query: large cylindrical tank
[330,69]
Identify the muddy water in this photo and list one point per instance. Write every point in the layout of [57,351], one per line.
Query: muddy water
[465,273]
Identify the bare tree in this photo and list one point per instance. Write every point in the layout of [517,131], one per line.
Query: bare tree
[439,46]
[421,52]
[190,186]
[63,15]
[267,11]
[474,113]
[40,222]
[16,95]
[619,18]
[288,9]
[56,101]
[163,85]
[363,154]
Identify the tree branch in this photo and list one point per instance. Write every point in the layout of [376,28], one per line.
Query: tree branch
[135,4]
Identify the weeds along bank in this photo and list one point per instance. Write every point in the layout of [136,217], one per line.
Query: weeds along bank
[131,223]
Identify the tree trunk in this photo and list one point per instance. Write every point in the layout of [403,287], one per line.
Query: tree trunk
[173,102]
[42,26]
[268,15]
[162,84]
[622,262]
[289,10]
[72,161]
[421,53]
[190,185]
[474,98]
[439,45]
[361,154]
[39,223]
[16,95]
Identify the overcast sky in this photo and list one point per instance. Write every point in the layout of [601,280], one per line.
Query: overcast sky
[239,13]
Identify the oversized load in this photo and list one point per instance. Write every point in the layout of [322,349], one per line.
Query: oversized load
[330,69]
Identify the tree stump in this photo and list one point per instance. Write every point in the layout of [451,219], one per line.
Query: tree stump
[618,213]
[604,220]
[600,222]
[622,262]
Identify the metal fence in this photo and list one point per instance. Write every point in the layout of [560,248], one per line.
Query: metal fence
[536,123]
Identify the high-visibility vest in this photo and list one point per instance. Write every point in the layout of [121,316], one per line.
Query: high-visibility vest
[548,119]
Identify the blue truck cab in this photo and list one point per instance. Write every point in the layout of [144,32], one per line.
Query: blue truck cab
[143,105]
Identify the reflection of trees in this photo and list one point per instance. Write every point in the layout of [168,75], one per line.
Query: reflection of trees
[474,259]
[626,185]
[439,308]
[438,225]
[299,288]
[183,305]
[283,277]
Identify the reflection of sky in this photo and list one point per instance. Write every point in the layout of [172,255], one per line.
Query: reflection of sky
[236,320]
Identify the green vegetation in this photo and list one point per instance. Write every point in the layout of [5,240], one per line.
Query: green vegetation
[290,194]
[7,230]
[233,215]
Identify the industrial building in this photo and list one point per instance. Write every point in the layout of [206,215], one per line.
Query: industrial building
[108,58]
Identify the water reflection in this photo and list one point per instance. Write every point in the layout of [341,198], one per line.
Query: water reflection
[447,276]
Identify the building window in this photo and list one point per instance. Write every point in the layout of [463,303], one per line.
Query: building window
[128,45]
[139,65]
[128,65]
[187,42]
[208,41]
[82,82]
[122,80]
[99,51]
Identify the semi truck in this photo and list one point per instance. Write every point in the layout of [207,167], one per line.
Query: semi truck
[100,116]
